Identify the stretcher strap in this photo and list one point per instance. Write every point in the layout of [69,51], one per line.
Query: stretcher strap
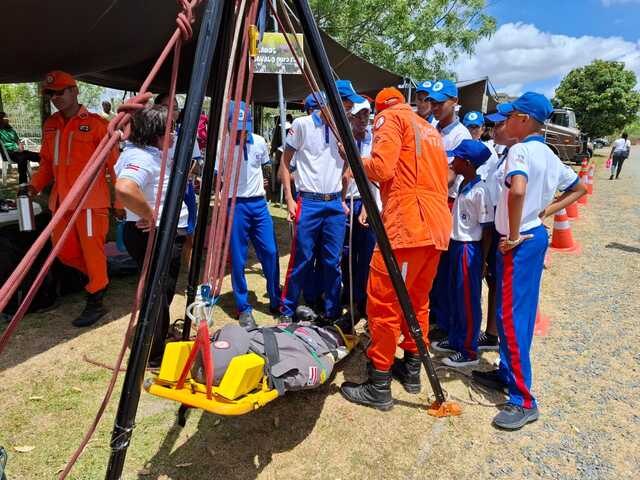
[273,358]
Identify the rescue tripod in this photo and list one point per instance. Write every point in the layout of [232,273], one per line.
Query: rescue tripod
[213,47]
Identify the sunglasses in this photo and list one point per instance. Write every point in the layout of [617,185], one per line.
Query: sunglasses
[55,93]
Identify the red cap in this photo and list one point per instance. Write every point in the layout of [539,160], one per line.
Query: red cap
[388,97]
[58,80]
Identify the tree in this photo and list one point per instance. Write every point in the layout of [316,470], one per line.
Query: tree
[602,95]
[415,38]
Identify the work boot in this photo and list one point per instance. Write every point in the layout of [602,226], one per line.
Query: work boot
[344,323]
[93,311]
[514,417]
[246,320]
[375,392]
[407,371]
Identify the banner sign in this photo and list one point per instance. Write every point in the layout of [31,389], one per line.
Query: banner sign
[274,55]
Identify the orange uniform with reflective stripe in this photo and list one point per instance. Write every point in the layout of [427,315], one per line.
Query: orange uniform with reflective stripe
[66,148]
[409,163]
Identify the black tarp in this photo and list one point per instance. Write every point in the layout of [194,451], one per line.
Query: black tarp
[114,43]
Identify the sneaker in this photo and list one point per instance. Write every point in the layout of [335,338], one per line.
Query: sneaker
[436,334]
[486,341]
[458,360]
[443,347]
[246,320]
[491,379]
[514,417]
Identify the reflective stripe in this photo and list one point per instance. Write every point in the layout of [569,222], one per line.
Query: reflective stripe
[56,148]
[89,224]
[564,225]
[69,140]
[416,132]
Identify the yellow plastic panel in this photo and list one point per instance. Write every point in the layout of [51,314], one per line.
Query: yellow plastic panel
[243,375]
[174,358]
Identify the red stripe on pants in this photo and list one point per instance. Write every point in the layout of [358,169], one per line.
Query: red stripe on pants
[292,256]
[467,306]
[509,329]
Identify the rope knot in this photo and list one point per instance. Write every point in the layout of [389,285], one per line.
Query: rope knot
[121,124]
[185,19]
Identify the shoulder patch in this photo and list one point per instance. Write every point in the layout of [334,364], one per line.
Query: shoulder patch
[379,122]
[84,128]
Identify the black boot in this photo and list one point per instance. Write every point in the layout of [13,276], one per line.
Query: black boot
[407,371]
[375,392]
[93,311]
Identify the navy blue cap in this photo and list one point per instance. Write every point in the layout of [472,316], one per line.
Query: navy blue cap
[311,102]
[533,104]
[346,91]
[425,86]
[473,119]
[245,122]
[443,90]
[496,117]
[473,150]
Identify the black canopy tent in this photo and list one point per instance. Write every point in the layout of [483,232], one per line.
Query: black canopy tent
[114,43]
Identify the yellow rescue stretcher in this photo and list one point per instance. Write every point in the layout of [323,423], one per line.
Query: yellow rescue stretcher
[243,388]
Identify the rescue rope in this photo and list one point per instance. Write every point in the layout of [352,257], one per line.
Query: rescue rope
[470,390]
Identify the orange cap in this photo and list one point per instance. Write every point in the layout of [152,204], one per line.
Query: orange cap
[58,80]
[388,97]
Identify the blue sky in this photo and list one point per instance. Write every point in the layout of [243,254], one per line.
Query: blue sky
[538,42]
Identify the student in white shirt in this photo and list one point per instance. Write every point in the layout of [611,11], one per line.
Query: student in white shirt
[251,218]
[319,212]
[533,175]
[444,99]
[138,173]
[470,240]
[619,153]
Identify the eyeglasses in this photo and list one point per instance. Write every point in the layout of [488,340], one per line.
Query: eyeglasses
[55,93]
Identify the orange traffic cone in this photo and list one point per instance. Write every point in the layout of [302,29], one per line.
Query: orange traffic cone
[590,180]
[562,239]
[573,212]
[584,178]
[543,323]
[583,199]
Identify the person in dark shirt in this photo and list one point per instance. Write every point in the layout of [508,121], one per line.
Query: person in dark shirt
[15,149]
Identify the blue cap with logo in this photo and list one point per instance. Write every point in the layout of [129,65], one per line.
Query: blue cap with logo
[533,104]
[473,150]
[346,91]
[473,119]
[244,117]
[443,90]
[425,86]
[496,117]
[314,101]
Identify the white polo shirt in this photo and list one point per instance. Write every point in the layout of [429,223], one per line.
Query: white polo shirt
[621,145]
[142,166]
[364,147]
[452,136]
[487,172]
[472,211]
[254,155]
[545,175]
[318,163]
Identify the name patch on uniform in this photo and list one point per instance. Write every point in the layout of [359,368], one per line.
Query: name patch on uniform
[84,128]
[379,122]
[49,130]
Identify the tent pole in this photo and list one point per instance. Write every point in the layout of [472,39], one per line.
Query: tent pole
[281,101]
[319,55]
[150,308]
[221,66]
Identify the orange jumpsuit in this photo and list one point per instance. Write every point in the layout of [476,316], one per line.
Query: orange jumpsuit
[66,147]
[408,161]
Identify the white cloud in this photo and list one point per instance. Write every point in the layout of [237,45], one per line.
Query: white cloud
[519,54]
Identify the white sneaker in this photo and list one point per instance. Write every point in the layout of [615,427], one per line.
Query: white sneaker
[458,360]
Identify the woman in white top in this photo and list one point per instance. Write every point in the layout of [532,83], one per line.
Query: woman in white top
[619,153]
[138,171]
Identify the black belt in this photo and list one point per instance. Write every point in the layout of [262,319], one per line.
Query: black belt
[325,197]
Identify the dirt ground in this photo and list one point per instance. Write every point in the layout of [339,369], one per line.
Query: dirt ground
[586,378]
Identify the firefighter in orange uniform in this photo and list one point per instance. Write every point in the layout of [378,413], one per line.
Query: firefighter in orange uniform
[70,136]
[409,163]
